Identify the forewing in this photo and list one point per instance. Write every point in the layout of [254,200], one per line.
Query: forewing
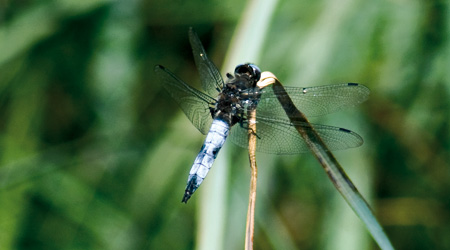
[314,101]
[195,104]
[279,136]
[210,77]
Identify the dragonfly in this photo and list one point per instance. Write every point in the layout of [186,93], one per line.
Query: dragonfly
[220,112]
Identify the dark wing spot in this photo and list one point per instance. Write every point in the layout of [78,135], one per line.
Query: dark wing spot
[345,130]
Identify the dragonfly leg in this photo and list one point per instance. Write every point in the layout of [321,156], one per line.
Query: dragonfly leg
[241,123]
[254,132]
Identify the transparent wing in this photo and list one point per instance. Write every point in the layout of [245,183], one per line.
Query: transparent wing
[210,77]
[195,104]
[314,101]
[279,136]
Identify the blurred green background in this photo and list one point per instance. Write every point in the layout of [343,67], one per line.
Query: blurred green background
[94,155]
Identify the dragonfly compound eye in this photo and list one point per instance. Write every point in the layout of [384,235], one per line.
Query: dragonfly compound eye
[252,70]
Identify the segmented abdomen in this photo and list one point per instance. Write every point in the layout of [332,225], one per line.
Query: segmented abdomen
[213,143]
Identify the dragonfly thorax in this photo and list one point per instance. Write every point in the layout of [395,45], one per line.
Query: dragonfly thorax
[239,93]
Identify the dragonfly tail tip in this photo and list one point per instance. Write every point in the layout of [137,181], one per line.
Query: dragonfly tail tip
[186,197]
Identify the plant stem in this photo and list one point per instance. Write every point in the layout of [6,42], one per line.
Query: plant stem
[250,227]
[329,163]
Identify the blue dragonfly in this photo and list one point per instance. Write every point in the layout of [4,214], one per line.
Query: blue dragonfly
[221,111]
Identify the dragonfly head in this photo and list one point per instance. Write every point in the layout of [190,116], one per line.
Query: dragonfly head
[252,71]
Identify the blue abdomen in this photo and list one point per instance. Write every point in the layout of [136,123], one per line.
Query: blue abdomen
[213,143]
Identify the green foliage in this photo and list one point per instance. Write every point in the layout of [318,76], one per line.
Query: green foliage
[95,156]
